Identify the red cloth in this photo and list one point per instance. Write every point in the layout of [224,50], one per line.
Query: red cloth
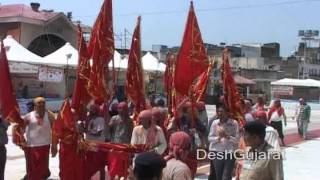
[37,162]
[64,131]
[81,96]
[201,85]
[179,142]
[118,164]
[230,90]
[71,163]
[192,58]
[8,103]
[134,82]
[192,163]
[94,162]
[101,49]
[127,148]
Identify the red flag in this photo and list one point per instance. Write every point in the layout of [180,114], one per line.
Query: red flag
[192,58]
[135,82]
[64,131]
[101,49]
[230,90]
[201,86]
[81,96]
[8,103]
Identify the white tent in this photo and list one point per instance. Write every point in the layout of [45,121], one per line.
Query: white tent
[162,67]
[151,63]
[119,61]
[297,82]
[66,55]
[17,53]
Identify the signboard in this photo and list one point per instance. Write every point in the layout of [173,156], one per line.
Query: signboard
[49,74]
[282,90]
[16,67]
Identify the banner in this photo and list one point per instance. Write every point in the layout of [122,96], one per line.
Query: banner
[49,74]
[16,67]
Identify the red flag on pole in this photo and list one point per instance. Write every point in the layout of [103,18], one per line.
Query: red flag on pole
[81,96]
[201,85]
[135,81]
[8,103]
[192,59]
[101,50]
[230,91]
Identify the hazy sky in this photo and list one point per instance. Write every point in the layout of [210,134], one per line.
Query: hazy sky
[230,21]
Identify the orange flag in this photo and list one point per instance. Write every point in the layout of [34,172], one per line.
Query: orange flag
[135,81]
[230,90]
[192,59]
[81,96]
[101,49]
[8,103]
[201,85]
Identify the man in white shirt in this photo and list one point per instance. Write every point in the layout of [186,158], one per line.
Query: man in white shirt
[38,133]
[224,140]
[149,133]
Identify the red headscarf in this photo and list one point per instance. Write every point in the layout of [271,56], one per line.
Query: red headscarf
[123,106]
[179,142]
[262,116]
[152,131]
[277,108]
[201,106]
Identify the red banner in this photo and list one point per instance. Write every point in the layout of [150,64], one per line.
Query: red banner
[192,59]
[101,50]
[8,103]
[201,85]
[230,90]
[135,81]
[81,96]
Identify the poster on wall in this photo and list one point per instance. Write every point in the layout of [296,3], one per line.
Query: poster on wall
[49,74]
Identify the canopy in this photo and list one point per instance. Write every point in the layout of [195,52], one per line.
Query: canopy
[119,61]
[151,63]
[16,52]
[242,80]
[66,55]
[297,82]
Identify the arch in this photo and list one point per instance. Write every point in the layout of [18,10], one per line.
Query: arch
[46,44]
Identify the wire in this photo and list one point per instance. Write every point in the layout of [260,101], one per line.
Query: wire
[250,6]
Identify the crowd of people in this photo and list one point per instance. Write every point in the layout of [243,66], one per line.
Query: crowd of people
[174,140]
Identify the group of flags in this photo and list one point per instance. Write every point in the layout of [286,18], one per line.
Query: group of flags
[186,77]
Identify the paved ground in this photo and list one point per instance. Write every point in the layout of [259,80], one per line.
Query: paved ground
[301,156]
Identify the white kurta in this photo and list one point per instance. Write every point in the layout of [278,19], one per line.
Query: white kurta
[37,135]
[139,136]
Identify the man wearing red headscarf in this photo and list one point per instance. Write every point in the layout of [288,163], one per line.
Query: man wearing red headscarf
[276,115]
[159,115]
[120,127]
[149,133]
[179,148]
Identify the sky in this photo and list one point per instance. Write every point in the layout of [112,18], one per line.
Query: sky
[229,21]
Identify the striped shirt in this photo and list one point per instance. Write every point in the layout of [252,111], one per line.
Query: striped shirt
[303,113]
